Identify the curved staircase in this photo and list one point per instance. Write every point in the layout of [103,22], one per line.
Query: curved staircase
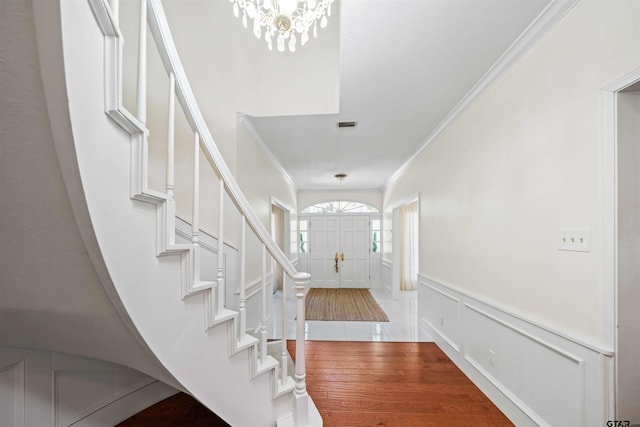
[193,326]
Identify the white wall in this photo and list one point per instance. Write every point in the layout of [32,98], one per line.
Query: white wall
[39,388]
[521,163]
[520,317]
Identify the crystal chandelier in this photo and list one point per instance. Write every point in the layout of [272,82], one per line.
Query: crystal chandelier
[284,19]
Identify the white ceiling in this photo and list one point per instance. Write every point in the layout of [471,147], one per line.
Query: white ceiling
[405,64]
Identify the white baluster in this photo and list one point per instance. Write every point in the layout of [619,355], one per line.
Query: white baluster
[171,119]
[263,324]
[195,218]
[142,63]
[284,362]
[243,260]
[195,231]
[300,393]
[220,302]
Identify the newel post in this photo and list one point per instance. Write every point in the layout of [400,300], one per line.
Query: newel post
[301,398]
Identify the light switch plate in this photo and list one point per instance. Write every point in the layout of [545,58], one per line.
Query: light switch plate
[574,239]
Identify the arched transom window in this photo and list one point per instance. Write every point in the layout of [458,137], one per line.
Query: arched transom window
[339,207]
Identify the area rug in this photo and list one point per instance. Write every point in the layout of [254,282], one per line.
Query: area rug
[343,304]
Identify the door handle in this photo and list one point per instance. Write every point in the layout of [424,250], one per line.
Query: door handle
[337,259]
[342,256]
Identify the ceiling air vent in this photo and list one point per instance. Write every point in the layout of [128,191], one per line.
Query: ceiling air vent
[347,125]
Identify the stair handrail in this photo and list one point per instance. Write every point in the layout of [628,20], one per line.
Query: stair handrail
[162,34]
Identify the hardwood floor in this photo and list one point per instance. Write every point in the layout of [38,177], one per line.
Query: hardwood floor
[179,410]
[356,384]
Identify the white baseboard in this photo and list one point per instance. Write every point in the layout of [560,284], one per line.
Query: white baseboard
[536,376]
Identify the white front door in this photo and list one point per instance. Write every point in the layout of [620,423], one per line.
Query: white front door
[354,251]
[323,247]
[346,237]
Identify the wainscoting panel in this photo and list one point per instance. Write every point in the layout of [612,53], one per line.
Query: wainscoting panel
[61,390]
[12,391]
[499,351]
[441,311]
[535,375]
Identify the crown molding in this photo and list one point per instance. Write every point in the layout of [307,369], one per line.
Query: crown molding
[245,123]
[551,14]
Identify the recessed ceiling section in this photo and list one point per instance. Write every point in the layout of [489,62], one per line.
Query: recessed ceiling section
[400,83]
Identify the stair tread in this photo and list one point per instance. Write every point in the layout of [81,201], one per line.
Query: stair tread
[245,342]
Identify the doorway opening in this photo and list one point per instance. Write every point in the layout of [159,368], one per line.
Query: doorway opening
[408,231]
[405,244]
[626,112]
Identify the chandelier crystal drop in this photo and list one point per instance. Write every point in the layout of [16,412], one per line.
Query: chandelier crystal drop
[286,21]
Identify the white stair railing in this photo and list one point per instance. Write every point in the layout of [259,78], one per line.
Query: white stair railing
[152,14]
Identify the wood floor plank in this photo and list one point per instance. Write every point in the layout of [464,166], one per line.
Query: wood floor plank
[393,384]
[179,410]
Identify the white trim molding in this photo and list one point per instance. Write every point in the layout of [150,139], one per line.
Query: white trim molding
[551,14]
[535,375]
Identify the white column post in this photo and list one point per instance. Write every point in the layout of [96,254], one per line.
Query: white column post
[195,217]
[301,398]
[243,263]
[220,302]
[263,323]
[170,204]
[171,135]
[142,64]
[284,360]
